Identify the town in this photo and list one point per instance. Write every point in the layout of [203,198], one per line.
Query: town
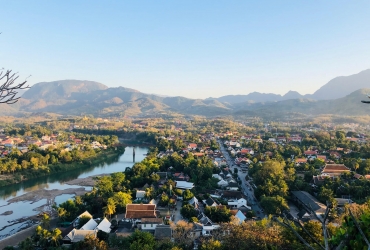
[200,181]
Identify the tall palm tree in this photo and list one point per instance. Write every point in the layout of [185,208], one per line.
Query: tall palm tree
[110,208]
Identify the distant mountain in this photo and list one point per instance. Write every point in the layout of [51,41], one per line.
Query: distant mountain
[74,97]
[256,97]
[343,85]
[335,88]
[51,91]
[349,105]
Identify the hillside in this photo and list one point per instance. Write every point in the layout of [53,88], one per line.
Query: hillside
[73,97]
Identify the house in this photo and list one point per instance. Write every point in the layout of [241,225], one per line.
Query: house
[140,195]
[322,157]
[78,235]
[240,216]
[181,177]
[207,225]
[84,214]
[162,232]
[319,179]
[335,169]
[210,202]
[237,203]
[335,154]
[194,202]
[295,139]
[184,185]
[192,146]
[90,225]
[232,195]
[150,224]
[104,226]
[139,211]
[300,161]
[233,185]
[310,153]
[222,183]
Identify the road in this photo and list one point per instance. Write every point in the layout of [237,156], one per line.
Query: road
[246,187]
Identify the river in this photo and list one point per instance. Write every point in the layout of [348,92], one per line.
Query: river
[8,225]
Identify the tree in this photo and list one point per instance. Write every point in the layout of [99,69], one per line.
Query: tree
[326,195]
[55,237]
[89,243]
[183,233]
[188,211]
[142,240]
[187,195]
[8,88]
[121,199]
[45,221]
[218,214]
[211,245]
[27,244]
[110,208]
[274,205]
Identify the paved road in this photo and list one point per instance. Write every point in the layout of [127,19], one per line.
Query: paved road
[246,187]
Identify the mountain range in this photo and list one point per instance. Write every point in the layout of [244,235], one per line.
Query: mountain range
[340,96]
[334,89]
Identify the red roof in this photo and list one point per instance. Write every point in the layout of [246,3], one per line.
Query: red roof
[310,152]
[138,211]
[335,168]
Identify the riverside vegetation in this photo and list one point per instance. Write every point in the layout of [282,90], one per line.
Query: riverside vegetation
[63,155]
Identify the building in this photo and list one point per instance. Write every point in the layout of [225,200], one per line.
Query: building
[308,202]
[139,211]
[162,232]
[335,169]
[150,224]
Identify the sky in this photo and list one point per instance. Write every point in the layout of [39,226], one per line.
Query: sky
[189,48]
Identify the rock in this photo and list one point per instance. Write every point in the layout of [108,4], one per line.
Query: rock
[7,213]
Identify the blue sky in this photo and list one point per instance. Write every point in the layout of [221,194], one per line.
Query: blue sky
[191,48]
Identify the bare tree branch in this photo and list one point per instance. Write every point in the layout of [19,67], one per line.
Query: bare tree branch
[9,89]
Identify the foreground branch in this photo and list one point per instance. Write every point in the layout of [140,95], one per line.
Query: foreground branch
[9,89]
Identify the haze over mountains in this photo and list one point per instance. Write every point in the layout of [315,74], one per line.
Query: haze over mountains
[341,95]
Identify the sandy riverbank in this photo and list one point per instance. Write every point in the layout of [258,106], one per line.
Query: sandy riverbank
[87,182]
[50,195]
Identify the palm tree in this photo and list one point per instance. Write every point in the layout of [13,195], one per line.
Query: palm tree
[45,221]
[110,208]
[62,213]
[55,237]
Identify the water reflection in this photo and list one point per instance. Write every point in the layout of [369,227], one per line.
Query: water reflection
[111,165]
[57,181]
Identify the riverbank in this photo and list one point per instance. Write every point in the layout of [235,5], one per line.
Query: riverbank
[101,157]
